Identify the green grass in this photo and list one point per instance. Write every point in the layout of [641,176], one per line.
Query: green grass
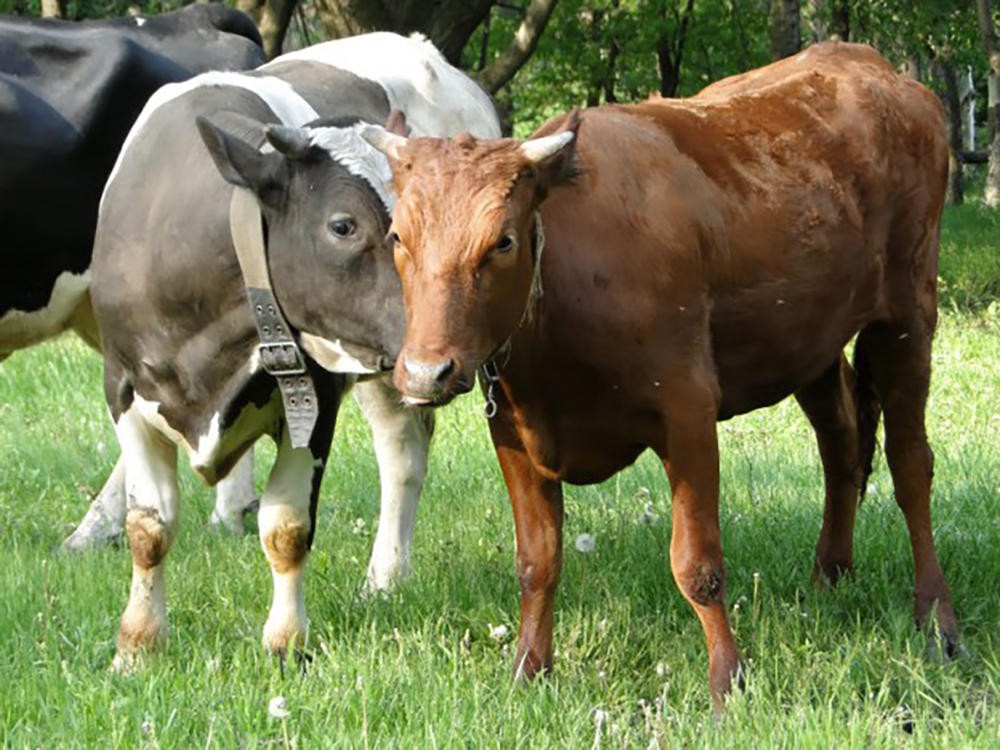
[970,257]
[829,668]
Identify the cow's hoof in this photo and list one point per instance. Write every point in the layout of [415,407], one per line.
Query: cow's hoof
[942,647]
[826,574]
[379,584]
[279,640]
[80,541]
[302,661]
[529,665]
[127,663]
[96,530]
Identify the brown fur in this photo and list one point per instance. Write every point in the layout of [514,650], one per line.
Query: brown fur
[287,546]
[148,537]
[713,255]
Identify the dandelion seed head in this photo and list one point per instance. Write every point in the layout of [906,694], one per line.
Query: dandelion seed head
[585,543]
[498,633]
[277,709]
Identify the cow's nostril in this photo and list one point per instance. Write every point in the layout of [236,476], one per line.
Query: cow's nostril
[428,373]
[444,370]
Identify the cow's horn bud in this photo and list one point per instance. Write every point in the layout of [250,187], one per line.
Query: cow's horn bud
[538,150]
[381,139]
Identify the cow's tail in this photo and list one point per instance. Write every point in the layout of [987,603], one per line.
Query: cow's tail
[868,411]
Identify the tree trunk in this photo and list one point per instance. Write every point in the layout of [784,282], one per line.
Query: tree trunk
[596,24]
[784,21]
[840,26]
[53,8]
[447,23]
[272,18]
[670,53]
[945,70]
[913,68]
[991,192]
[503,68]
[273,23]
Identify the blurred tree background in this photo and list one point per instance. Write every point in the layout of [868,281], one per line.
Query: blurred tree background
[541,57]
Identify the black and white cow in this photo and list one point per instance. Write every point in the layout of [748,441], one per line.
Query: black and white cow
[69,92]
[182,361]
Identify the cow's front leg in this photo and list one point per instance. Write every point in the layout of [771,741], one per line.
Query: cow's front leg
[287,521]
[695,544]
[105,517]
[402,439]
[151,525]
[538,517]
[235,496]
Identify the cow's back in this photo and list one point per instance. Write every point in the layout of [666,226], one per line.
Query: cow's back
[69,92]
[768,195]
[438,99]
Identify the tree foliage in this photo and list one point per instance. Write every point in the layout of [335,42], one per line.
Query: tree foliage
[617,50]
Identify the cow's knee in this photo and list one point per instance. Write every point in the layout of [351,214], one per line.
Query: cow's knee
[286,545]
[149,537]
[702,582]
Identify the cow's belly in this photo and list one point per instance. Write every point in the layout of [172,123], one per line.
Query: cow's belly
[20,328]
[216,449]
[766,348]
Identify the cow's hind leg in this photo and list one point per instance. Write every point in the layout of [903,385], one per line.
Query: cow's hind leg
[898,358]
[151,525]
[402,439]
[235,496]
[105,517]
[828,402]
[287,521]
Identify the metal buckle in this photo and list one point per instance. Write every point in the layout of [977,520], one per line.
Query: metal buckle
[491,374]
[279,358]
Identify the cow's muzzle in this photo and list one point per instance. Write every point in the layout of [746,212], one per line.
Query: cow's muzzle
[429,382]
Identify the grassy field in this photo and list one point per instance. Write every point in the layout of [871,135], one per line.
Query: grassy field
[829,668]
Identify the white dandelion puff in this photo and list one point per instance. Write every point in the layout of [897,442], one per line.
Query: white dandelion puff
[648,517]
[277,709]
[585,543]
[498,633]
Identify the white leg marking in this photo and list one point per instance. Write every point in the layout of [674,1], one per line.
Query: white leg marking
[233,495]
[151,486]
[402,440]
[284,529]
[105,518]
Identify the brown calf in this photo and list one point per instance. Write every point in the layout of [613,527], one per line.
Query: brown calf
[703,258]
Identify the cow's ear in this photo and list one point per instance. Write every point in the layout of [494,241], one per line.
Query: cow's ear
[241,164]
[554,156]
[396,123]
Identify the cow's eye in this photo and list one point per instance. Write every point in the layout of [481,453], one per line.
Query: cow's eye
[392,238]
[505,245]
[342,226]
